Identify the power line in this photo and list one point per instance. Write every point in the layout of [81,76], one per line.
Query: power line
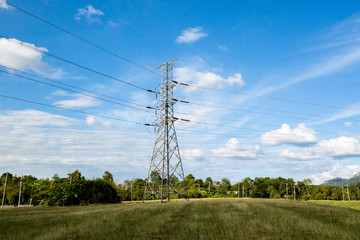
[73,110]
[80,38]
[68,85]
[245,121]
[249,106]
[77,92]
[142,36]
[75,64]
[61,128]
[204,123]
[260,96]
[242,128]
[261,113]
[92,32]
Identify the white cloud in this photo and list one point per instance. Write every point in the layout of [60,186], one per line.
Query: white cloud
[352,110]
[234,149]
[341,147]
[298,155]
[43,144]
[4,5]
[15,54]
[191,35]
[337,170]
[113,24]
[192,154]
[80,101]
[343,33]
[206,79]
[91,121]
[348,124]
[32,117]
[89,12]
[300,135]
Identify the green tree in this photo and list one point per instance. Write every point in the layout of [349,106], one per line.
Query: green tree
[108,177]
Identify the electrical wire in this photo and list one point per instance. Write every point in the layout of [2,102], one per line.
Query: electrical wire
[77,92]
[261,113]
[72,86]
[257,107]
[75,64]
[142,36]
[80,38]
[260,96]
[72,110]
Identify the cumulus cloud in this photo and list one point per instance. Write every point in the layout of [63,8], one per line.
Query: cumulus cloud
[191,35]
[233,149]
[206,79]
[4,5]
[337,170]
[341,147]
[300,135]
[15,54]
[78,101]
[90,13]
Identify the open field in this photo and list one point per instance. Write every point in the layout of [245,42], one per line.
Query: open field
[348,204]
[201,219]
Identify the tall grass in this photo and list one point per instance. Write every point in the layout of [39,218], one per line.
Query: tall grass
[203,219]
[348,204]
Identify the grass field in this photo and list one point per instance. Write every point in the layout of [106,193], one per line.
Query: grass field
[200,219]
[351,204]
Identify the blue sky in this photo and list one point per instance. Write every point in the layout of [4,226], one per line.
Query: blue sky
[284,79]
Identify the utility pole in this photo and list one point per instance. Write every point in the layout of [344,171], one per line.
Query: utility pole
[347,187]
[209,187]
[243,189]
[294,192]
[238,193]
[20,191]
[343,193]
[166,162]
[4,194]
[131,190]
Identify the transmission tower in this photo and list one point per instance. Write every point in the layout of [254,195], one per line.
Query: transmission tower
[166,174]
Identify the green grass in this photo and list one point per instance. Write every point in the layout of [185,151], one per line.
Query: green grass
[348,204]
[200,219]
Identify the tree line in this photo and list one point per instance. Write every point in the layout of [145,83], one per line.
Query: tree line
[75,189]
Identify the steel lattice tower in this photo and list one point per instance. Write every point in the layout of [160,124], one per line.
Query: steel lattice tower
[166,174]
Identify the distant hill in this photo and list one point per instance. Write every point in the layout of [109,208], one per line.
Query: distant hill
[342,181]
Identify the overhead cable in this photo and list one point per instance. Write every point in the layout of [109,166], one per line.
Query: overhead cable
[80,38]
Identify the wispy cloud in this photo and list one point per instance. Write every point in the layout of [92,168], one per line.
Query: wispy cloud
[39,142]
[345,37]
[90,13]
[77,101]
[191,35]
[352,110]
